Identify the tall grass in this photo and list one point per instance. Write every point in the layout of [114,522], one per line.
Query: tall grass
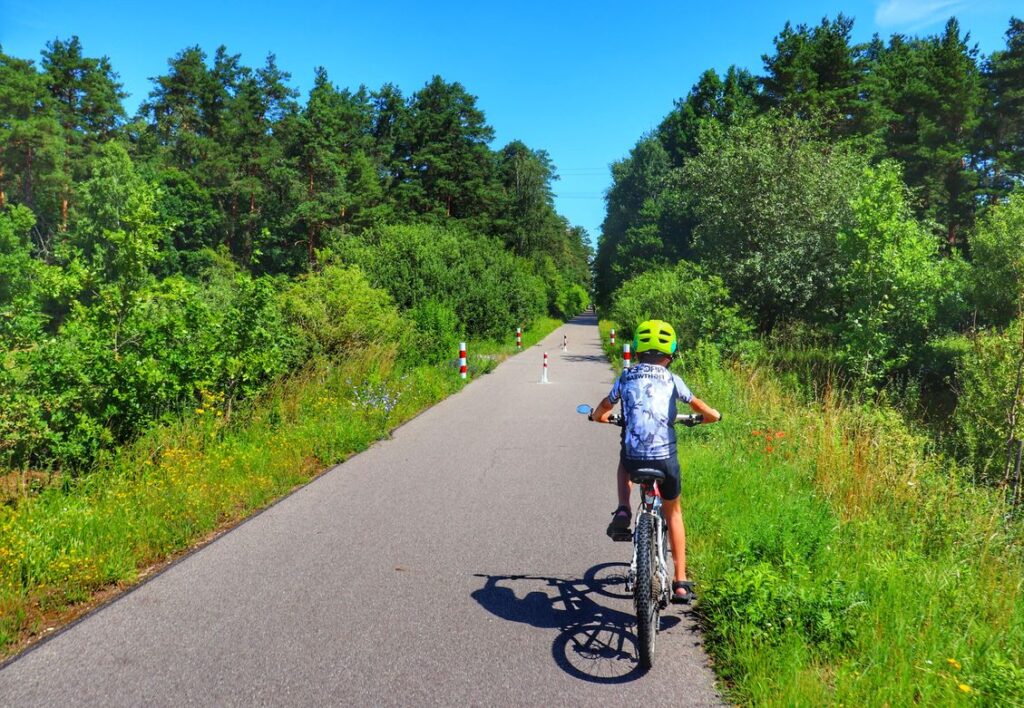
[177,484]
[837,561]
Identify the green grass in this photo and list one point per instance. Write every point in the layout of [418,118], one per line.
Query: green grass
[838,563]
[180,482]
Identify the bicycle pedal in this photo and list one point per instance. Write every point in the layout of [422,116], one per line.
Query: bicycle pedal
[622,536]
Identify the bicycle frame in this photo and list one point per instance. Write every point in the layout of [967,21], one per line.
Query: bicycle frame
[650,504]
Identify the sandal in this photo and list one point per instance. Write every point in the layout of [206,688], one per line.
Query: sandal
[686,585]
[618,529]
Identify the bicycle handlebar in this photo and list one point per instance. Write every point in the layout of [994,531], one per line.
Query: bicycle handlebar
[687,419]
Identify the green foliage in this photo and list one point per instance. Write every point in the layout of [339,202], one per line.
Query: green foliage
[696,304]
[986,381]
[999,681]
[438,331]
[761,603]
[1003,119]
[892,280]
[21,316]
[338,313]
[998,257]
[815,72]
[649,222]
[771,196]
[489,289]
[117,229]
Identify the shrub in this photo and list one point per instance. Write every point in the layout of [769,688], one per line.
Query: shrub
[697,305]
[437,331]
[986,380]
[892,280]
[998,254]
[489,289]
[338,311]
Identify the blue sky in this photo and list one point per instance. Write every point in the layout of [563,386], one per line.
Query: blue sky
[582,80]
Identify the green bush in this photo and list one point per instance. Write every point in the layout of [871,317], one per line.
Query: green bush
[760,603]
[892,280]
[696,304]
[437,331]
[986,378]
[997,249]
[109,374]
[337,311]
[489,289]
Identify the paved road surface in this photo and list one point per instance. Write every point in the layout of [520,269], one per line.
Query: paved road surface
[462,562]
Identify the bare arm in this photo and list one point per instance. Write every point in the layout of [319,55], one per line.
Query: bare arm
[710,414]
[603,410]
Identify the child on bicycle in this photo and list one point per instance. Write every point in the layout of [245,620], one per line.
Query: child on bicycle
[648,392]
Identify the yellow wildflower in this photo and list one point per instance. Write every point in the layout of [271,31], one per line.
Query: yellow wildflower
[965,688]
[954,663]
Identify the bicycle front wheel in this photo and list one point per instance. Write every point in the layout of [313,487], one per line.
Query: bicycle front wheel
[645,590]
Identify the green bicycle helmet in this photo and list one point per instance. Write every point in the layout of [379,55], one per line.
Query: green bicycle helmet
[655,335]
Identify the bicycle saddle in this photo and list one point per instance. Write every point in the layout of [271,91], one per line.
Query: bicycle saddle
[646,475]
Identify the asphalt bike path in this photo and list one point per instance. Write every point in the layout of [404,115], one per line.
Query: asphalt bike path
[461,562]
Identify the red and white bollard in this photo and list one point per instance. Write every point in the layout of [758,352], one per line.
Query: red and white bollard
[544,376]
[519,337]
[625,355]
[462,360]
[613,337]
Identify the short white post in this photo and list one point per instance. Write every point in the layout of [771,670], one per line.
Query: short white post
[462,360]
[519,337]
[625,355]
[613,337]
[544,376]
[565,342]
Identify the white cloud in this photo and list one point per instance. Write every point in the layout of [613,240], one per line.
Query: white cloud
[914,14]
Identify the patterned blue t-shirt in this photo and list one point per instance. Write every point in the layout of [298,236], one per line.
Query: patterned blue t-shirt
[649,393]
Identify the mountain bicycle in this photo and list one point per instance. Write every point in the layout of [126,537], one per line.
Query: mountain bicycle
[648,578]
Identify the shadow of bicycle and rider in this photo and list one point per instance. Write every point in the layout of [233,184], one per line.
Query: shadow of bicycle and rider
[596,643]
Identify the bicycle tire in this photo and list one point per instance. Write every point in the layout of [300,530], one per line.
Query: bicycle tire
[644,596]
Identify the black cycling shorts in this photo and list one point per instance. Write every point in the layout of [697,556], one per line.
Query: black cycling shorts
[672,486]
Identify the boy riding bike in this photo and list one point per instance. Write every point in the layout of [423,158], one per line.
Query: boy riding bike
[648,392]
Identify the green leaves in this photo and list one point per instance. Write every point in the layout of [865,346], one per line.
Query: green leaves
[892,279]
[696,304]
[771,196]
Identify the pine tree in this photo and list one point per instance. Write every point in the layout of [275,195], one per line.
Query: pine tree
[1003,124]
[33,153]
[449,169]
[815,73]
[86,99]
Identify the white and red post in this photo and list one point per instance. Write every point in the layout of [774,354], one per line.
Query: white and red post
[625,355]
[544,375]
[519,337]
[462,360]
[565,342]
[613,337]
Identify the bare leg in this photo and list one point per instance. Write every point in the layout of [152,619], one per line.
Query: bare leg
[624,486]
[677,532]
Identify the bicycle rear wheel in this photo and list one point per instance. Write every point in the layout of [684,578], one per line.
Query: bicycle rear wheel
[645,595]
